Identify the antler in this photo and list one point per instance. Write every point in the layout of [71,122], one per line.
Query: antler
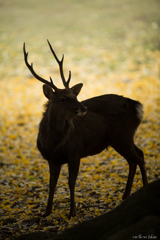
[60,63]
[51,84]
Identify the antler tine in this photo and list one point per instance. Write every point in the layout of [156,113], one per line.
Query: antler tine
[34,73]
[69,78]
[60,63]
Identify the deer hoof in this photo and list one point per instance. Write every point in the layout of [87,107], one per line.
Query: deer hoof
[72,214]
[46,214]
[125,196]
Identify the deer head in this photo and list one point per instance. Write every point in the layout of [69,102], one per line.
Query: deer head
[64,101]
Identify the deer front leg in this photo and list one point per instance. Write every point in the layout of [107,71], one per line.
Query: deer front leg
[73,172]
[54,174]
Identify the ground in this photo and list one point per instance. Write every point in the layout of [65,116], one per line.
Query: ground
[109,46]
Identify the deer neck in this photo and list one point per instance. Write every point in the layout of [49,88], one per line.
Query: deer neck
[58,129]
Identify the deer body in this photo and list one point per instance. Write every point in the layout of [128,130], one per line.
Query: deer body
[70,130]
[91,133]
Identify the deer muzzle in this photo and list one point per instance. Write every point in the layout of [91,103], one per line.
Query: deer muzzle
[81,111]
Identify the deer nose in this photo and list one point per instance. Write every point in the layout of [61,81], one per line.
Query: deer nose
[84,109]
[81,111]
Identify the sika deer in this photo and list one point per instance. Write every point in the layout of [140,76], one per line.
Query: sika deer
[70,130]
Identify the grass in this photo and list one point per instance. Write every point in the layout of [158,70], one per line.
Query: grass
[110,46]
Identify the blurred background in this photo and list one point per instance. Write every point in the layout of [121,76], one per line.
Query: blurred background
[97,37]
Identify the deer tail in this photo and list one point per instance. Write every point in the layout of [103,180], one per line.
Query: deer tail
[139,111]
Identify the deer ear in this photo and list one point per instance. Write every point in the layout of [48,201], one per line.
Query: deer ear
[48,92]
[77,88]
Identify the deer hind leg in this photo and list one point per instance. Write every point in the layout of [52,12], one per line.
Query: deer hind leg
[134,156]
[54,174]
[142,165]
[132,171]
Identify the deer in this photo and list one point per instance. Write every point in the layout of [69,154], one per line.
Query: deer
[70,130]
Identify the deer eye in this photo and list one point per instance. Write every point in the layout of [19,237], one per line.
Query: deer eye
[63,99]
